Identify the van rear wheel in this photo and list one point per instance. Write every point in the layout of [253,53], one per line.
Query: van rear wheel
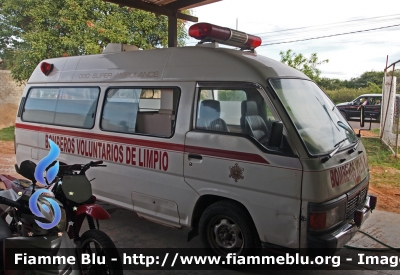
[226,227]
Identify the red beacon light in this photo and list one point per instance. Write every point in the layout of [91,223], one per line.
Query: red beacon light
[211,33]
[46,68]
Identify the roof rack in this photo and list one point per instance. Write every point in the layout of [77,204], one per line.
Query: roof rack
[119,47]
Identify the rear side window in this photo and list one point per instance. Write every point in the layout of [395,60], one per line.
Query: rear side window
[75,107]
[149,111]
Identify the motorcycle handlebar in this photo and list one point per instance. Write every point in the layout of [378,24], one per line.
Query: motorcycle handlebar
[11,203]
[79,167]
[51,165]
[95,163]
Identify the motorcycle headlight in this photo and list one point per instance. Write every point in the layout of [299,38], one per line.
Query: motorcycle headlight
[62,225]
[48,212]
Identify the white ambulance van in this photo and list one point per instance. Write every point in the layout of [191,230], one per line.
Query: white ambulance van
[241,148]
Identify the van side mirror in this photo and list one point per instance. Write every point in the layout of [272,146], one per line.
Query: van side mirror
[27,170]
[362,116]
[275,136]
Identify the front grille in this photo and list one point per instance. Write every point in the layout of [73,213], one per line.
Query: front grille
[355,201]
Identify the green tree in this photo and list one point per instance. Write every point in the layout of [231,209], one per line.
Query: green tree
[33,30]
[371,80]
[367,77]
[307,65]
[332,83]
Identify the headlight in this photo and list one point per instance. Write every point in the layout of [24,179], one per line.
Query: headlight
[323,220]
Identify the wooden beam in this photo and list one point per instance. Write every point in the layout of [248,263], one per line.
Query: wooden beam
[172,31]
[139,4]
[188,4]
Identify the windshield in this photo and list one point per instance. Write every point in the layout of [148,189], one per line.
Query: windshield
[316,118]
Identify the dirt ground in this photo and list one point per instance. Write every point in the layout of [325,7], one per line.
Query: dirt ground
[8,114]
[7,158]
[388,196]
[368,134]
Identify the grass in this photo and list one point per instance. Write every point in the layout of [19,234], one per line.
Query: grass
[384,167]
[379,154]
[7,134]
[376,131]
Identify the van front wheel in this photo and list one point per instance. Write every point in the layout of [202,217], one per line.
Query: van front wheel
[226,227]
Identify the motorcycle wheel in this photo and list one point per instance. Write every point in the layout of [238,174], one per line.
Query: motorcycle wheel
[98,243]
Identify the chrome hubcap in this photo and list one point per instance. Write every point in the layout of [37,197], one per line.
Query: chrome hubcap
[227,234]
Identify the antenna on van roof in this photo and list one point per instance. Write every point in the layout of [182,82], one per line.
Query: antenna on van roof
[212,33]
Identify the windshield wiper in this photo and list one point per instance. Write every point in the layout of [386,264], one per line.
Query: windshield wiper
[338,146]
[340,142]
[355,147]
[326,111]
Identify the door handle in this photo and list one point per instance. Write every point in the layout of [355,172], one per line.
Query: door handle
[195,156]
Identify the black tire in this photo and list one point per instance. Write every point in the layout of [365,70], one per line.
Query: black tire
[344,114]
[237,233]
[99,243]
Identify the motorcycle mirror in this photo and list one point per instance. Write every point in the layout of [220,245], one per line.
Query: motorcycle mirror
[27,170]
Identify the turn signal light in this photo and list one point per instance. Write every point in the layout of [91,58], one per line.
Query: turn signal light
[318,220]
[46,68]
[323,220]
[358,217]
[372,201]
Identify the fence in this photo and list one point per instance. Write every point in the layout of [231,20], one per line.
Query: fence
[390,112]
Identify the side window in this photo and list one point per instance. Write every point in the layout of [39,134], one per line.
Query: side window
[40,105]
[140,110]
[242,111]
[120,110]
[75,107]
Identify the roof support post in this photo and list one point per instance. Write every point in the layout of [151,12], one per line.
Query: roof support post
[172,31]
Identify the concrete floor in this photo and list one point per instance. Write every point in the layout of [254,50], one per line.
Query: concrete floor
[129,231]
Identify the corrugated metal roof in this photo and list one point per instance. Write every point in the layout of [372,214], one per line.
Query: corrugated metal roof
[171,8]
[181,4]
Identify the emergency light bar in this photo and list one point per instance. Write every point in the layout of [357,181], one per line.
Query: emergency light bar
[209,33]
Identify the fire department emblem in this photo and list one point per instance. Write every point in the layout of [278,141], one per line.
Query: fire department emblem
[236,172]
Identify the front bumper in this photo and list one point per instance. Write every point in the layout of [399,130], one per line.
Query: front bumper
[341,236]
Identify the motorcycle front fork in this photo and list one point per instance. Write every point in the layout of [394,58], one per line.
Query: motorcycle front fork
[91,222]
[75,232]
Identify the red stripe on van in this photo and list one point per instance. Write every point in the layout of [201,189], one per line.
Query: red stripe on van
[114,138]
[155,144]
[225,154]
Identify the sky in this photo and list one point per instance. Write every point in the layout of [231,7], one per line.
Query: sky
[349,55]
